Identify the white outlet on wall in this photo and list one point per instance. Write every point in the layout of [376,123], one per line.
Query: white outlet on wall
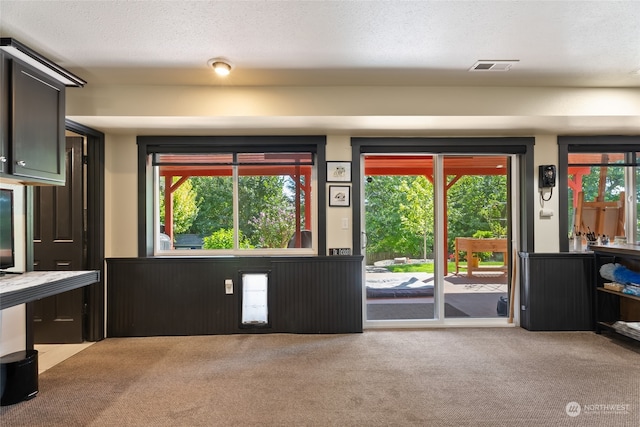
[228,286]
[345,223]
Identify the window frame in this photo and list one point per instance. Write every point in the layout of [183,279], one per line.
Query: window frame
[147,179]
[519,146]
[235,167]
[628,144]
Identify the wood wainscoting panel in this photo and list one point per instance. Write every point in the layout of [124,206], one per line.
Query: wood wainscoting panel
[187,296]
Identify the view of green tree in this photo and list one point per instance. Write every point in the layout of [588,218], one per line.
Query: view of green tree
[417,212]
[185,209]
[215,204]
[614,183]
[399,211]
[385,231]
[477,203]
[290,191]
[223,239]
[274,227]
[204,206]
[257,194]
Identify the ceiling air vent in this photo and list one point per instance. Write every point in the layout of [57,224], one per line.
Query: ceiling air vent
[501,65]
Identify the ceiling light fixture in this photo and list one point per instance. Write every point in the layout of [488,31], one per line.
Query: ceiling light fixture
[221,66]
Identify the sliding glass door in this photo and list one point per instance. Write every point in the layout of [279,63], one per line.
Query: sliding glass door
[476,232]
[436,230]
[399,226]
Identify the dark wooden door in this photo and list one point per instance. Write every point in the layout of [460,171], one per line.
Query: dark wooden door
[59,245]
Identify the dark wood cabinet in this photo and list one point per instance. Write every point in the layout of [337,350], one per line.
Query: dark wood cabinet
[32,114]
[37,141]
[4,114]
[556,291]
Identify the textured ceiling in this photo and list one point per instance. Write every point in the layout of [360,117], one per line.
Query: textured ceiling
[567,43]
[334,43]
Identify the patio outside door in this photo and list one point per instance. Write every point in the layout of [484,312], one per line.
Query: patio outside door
[399,226]
[477,233]
[409,267]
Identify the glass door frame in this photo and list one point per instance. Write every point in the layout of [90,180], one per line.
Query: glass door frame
[522,196]
[438,278]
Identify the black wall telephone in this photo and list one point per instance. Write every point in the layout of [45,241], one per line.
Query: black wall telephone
[547,176]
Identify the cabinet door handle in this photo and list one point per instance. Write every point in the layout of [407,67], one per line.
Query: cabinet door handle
[21,163]
[3,159]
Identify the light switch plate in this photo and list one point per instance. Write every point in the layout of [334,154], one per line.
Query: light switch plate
[228,286]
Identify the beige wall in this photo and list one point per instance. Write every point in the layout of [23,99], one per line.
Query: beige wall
[215,102]
[339,219]
[546,153]
[121,196]
[339,113]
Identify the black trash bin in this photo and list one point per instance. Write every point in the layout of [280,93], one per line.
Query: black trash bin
[18,376]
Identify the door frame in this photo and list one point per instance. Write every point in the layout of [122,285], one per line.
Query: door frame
[523,202]
[94,295]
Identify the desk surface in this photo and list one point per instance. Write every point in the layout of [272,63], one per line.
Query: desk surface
[626,249]
[474,245]
[18,289]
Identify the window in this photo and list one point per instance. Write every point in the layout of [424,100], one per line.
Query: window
[237,201]
[601,186]
[597,193]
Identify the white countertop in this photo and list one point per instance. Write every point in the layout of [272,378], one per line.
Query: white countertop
[33,285]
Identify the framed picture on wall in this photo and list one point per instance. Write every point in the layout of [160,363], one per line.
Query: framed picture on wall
[338,171]
[339,195]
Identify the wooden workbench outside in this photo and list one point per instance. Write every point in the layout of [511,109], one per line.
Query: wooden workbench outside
[473,245]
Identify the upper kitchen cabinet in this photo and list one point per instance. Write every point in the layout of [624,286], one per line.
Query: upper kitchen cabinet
[32,115]
[4,117]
